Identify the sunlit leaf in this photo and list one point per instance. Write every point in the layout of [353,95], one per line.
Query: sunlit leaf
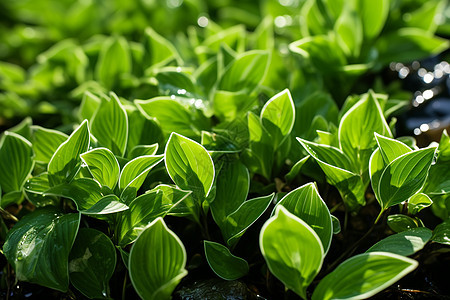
[441,234]
[223,263]
[45,142]
[399,222]
[103,166]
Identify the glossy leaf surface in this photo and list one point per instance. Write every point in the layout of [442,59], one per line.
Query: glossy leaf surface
[103,166]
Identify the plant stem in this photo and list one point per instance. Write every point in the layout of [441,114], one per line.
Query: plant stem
[379,216]
[336,207]
[124,286]
[8,215]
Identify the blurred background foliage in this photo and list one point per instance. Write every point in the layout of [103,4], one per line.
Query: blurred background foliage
[52,52]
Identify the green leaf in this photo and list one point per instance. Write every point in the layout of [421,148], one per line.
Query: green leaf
[189,165]
[230,105]
[110,125]
[404,243]
[404,177]
[292,250]
[34,189]
[418,202]
[336,225]
[172,116]
[89,105]
[66,161]
[38,247]
[373,16]
[296,168]
[305,203]
[441,234]
[376,168]
[357,128]
[223,263]
[278,116]
[16,161]
[399,223]
[363,276]
[143,210]
[92,262]
[114,60]
[103,166]
[159,50]
[183,204]
[349,31]
[108,204]
[45,142]
[134,173]
[239,221]
[390,148]
[408,44]
[143,131]
[85,192]
[141,150]
[232,185]
[246,72]
[155,274]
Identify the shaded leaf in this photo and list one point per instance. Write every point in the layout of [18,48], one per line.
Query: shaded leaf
[223,263]
[404,243]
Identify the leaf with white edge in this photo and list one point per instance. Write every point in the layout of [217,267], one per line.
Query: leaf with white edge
[226,265]
[292,250]
[441,234]
[278,116]
[305,203]
[399,222]
[108,204]
[391,148]
[189,165]
[232,185]
[155,274]
[363,276]
[38,247]
[45,142]
[141,150]
[404,243]
[133,175]
[66,162]
[239,221]
[110,125]
[418,202]
[357,128]
[296,168]
[336,225]
[85,192]
[16,161]
[404,177]
[92,262]
[103,166]
[35,188]
[143,210]
[376,168]
[183,204]
[246,72]
[334,164]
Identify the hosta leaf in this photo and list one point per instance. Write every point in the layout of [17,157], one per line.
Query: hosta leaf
[292,250]
[85,192]
[278,116]
[159,50]
[103,166]
[172,116]
[246,72]
[357,128]
[404,243]
[349,32]
[441,234]
[223,263]
[189,165]
[336,225]
[183,204]
[66,161]
[239,221]
[141,150]
[232,185]
[155,274]
[35,187]
[399,223]
[376,168]
[143,210]
[390,148]
[363,275]
[106,205]
[110,125]
[143,131]
[306,203]
[16,161]
[296,168]
[38,247]
[404,177]
[230,105]
[89,105]
[373,16]
[114,60]
[92,262]
[45,142]
[418,202]
[133,175]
